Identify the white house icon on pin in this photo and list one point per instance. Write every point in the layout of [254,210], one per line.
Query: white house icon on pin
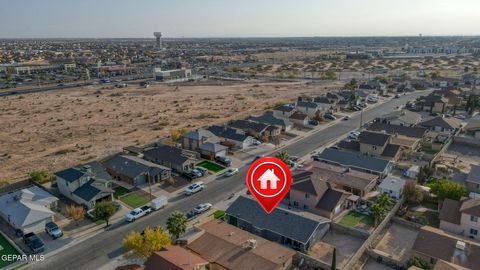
[268,177]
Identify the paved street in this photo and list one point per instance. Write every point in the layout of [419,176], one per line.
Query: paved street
[100,249]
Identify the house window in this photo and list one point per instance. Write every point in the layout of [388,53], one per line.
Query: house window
[305,206]
[474,218]
[374,147]
[473,232]
[307,195]
[295,203]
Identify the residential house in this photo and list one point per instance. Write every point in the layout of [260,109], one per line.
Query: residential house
[300,119]
[227,247]
[281,226]
[378,144]
[205,143]
[355,161]
[229,136]
[283,111]
[433,245]
[309,108]
[473,129]
[401,118]
[434,104]
[353,181]
[473,179]
[136,171]
[269,119]
[175,258]
[442,124]
[28,209]
[211,150]
[315,195]
[175,158]
[327,103]
[133,150]
[461,217]
[193,139]
[392,186]
[85,185]
[414,132]
[260,131]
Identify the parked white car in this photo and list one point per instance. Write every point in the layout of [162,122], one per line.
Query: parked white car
[202,208]
[194,188]
[138,213]
[256,142]
[231,172]
[353,135]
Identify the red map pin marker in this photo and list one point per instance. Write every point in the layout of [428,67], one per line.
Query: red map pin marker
[268,180]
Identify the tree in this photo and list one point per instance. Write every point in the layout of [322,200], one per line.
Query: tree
[334,260]
[385,201]
[177,224]
[283,156]
[75,212]
[466,69]
[351,85]
[104,211]
[424,174]
[177,134]
[378,212]
[40,176]
[473,103]
[413,194]
[418,262]
[444,189]
[142,245]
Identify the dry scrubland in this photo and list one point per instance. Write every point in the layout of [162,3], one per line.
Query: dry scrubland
[50,131]
[445,66]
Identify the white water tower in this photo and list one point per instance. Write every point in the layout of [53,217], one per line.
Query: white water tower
[158,36]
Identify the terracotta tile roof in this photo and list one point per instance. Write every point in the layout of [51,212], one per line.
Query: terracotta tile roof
[174,258]
[226,245]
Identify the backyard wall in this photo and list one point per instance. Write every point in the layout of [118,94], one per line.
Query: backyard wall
[376,233]
[350,231]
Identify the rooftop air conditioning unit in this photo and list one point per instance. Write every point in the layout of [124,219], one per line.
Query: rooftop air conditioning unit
[460,245]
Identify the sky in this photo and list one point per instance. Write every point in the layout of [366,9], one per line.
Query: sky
[236,18]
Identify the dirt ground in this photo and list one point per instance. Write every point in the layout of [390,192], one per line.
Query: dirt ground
[398,241]
[346,246]
[53,130]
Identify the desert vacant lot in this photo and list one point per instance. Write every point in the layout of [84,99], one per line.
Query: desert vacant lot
[50,131]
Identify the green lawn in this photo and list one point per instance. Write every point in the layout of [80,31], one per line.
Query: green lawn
[6,249]
[218,214]
[134,200]
[354,219]
[210,166]
[119,191]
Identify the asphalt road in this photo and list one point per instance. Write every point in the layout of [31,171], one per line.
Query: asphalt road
[100,249]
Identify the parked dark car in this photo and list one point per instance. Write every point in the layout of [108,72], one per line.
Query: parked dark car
[33,242]
[313,122]
[52,229]
[224,161]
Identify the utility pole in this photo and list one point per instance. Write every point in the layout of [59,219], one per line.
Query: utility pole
[361,118]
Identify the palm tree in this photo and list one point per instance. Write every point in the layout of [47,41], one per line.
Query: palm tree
[384,201]
[283,156]
[378,212]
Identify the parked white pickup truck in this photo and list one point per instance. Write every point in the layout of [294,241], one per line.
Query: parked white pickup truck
[138,213]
